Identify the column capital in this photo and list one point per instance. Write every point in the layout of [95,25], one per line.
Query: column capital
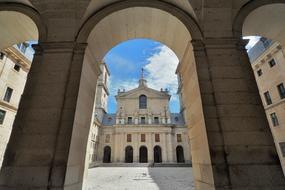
[59,47]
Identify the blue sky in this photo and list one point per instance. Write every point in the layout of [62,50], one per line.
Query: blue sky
[126,60]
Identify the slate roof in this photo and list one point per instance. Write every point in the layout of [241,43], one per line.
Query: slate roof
[109,119]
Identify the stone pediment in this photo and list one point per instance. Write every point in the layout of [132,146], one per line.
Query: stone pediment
[149,92]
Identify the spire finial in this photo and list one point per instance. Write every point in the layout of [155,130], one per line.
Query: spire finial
[142,73]
[142,81]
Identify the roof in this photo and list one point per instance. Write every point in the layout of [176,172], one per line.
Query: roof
[177,119]
[140,90]
[109,119]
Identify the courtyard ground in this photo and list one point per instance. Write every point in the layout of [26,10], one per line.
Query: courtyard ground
[140,178]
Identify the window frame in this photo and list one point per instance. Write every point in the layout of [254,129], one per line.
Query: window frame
[107,138]
[272,61]
[129,137]
[17,67]
[4,115]
[142,101]
[8,95]
[179,138]
[156,137]
[259,72]
[130,120]
[281,90]
[143,119]
[156,120]
[267,97]
[143,138]
[274,119]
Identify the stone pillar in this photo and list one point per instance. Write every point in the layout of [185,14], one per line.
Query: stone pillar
[238,151]
[116,147]
[40,145]
[169,148]
[150,147]
[123,145]
[164,147]
[136,141]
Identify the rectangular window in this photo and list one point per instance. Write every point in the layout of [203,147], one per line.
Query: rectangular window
[282,147]
[142,137]
[156,120]
[8,94]
[142,120]
[272,62]
[130,120]
[107,139]
[259,72]
[17,67]
[129,138]
[157,139]
[2,116]
[274,119]
[179,137]
[281,90]
[267,98]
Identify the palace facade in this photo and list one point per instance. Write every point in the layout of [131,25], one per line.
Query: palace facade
[143,130]
[268,63]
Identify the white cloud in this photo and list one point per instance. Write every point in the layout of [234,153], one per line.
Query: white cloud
[120,62]
[160,73]
[252,41]
[116,84]
[161,69]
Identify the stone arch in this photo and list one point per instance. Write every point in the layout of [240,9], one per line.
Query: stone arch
[129,157]
[143,157]
[32,14]
[246,10]
[176,21]
[190,23]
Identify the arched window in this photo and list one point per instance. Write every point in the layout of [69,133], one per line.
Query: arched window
[142,102]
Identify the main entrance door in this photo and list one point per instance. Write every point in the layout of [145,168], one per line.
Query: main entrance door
[129,154]
[143,154]
[107,155]
[157,154]
[180,154]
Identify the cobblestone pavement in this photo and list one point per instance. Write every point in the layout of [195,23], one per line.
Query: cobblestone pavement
[140,178]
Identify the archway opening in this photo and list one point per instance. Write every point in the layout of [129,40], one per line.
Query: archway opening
[107,155]
[180,154]
[18,32]
[129,154]
[114,29]
[143,155]
[157,156]
[266,54]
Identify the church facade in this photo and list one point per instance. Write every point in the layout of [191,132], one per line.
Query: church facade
[143,130]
